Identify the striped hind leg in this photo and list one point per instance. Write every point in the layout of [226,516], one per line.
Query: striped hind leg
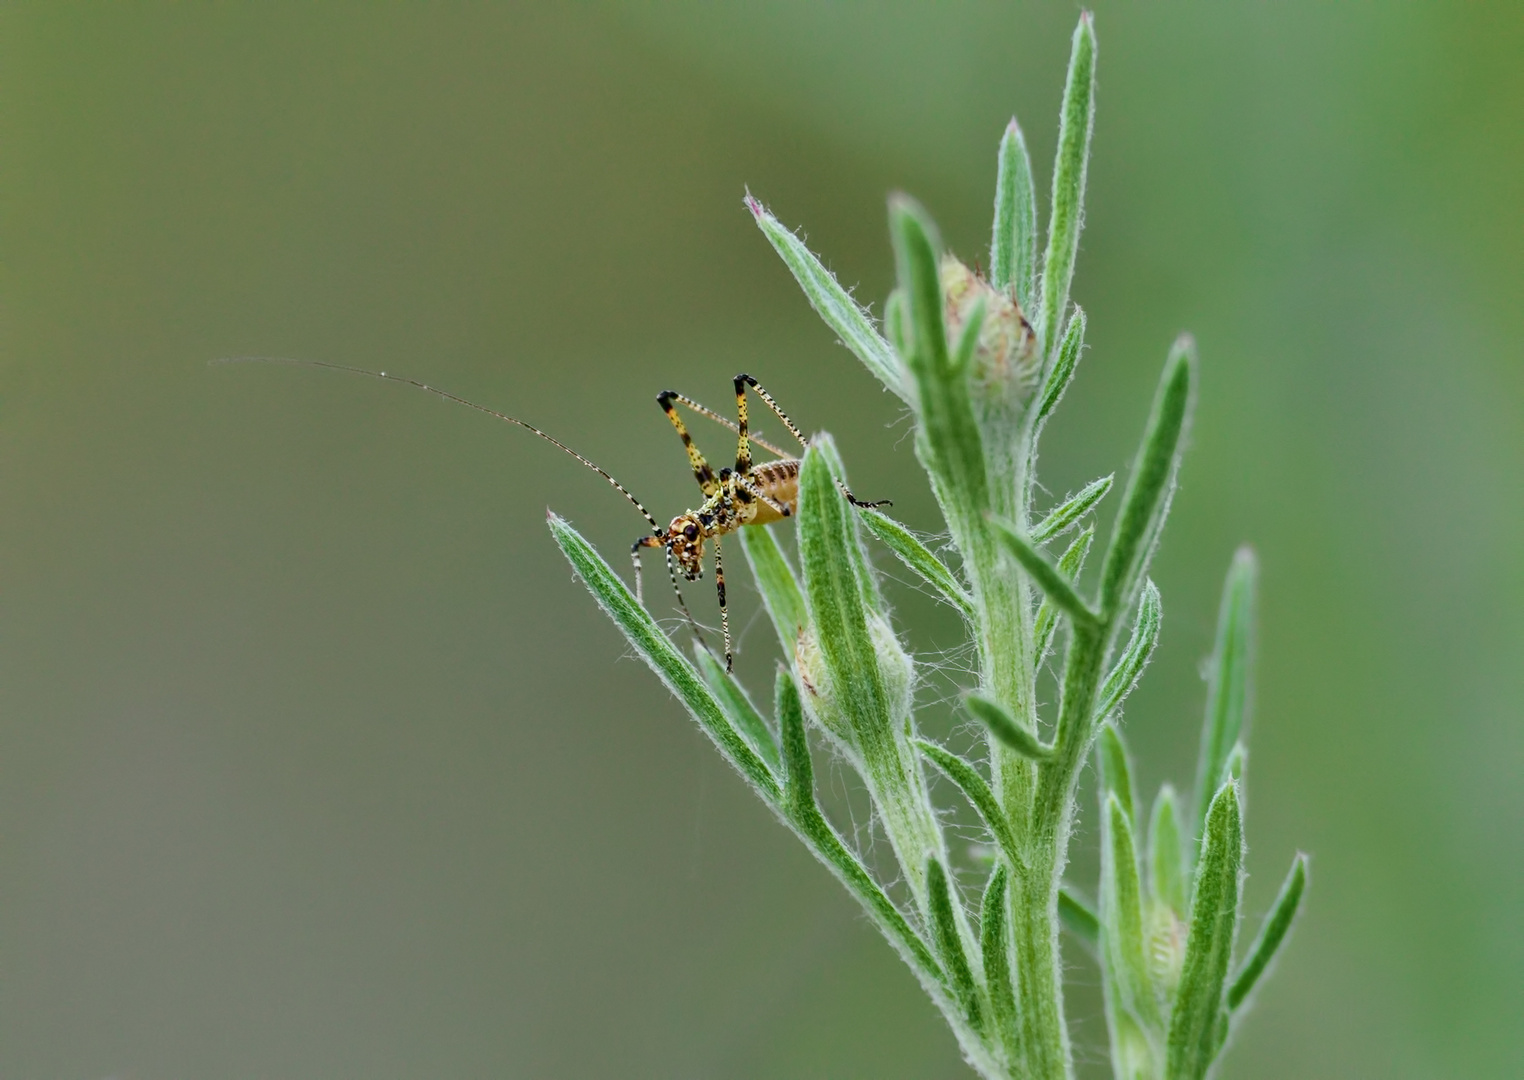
[742,382]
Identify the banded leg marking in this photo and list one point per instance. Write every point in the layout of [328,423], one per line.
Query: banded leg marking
[743,380]
[725,421]
[682,605]
[719,588]
[743,448]
[701,470]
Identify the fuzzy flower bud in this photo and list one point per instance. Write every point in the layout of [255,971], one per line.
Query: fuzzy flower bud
[1005,359]
[821,702]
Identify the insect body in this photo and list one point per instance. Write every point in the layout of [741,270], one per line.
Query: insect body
[748,494]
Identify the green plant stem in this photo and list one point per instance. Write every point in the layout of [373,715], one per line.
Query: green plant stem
[970,481]
[1039,972]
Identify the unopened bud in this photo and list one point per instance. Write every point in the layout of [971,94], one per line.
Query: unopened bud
[821,702]
[1005,359]
[1166,947]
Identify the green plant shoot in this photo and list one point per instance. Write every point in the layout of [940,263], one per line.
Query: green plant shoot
[981,364]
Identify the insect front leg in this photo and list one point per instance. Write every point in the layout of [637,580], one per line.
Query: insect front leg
[682,605]
[644,542]
[701,470]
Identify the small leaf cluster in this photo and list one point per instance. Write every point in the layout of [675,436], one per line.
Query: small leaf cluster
[982,364]
[1169,913]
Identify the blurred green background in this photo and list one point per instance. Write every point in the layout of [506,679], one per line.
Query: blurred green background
[314,760]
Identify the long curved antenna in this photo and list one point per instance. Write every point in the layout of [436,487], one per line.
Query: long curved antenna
[656,529]
[657,532]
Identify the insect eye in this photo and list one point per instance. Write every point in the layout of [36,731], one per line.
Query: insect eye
[690,531]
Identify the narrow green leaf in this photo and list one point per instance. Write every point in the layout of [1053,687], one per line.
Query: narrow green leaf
[834,304]
[1006,727]
[798,768]
[1080,919]
[1197,1024]
[994,947]
[615,598]
[1076,121]
[1013,245]
[1116,768]
[854,546]
[1151,485]
[919,558]
[978,793]
[809,823]
[948,939]
[777,584]
[861,678]
[1129,668]
[832,570]
[1062,371]
[1123,949]
[1071,562]
[1272,934]
[1048,577]
[686,684]
[947,438]
[1230,682]
[1166,856]
[1067,513]
[738,707]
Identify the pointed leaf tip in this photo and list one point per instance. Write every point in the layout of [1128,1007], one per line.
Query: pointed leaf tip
[1044,573]
[1166,858]
[834,304]
[1006,727]
[1140,648]
[979,795]
[1230,683]
[1116,768]
[1146,501]
[1272,934]
[1076,122]
[1013,238]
